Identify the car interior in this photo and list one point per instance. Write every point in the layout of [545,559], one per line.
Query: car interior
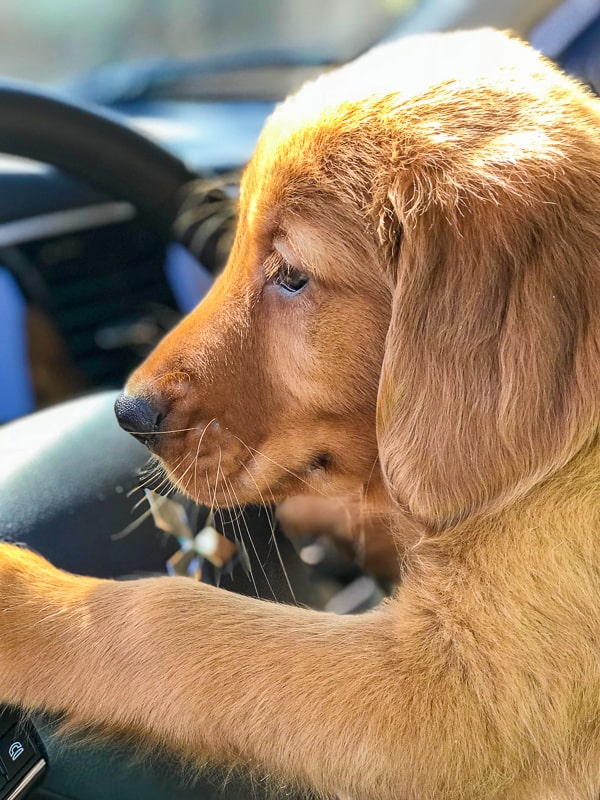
[117,207]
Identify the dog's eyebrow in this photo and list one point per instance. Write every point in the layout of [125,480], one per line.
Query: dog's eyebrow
[297,254]
[304,249]
[310,248]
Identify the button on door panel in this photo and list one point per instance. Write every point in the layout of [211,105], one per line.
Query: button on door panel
[15,752]
[22,764]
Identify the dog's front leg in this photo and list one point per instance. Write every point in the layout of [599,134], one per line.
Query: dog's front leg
[351,705]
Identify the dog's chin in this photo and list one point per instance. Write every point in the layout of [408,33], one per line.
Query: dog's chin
[240,490]
[264,483]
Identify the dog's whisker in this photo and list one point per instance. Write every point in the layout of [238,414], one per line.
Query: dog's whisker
[277,550]
[157,470]
[173,430]
[196,464]
[149,472]
[187,473]
[200,440]
[255,452]
[211,495]
[371,473]
[230,503]
[122,534]
[273,534]
[139,503]
[168,485]
[147,513]
[237,528]
[252,542]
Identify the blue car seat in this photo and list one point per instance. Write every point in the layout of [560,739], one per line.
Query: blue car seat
[16,391]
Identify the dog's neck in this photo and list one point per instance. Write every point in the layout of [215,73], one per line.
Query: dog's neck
[562,507]
[559,518]
[569,497]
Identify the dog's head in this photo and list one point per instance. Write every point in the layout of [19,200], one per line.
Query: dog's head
[413,295]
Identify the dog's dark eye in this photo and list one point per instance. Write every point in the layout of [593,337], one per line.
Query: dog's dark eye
[290,279]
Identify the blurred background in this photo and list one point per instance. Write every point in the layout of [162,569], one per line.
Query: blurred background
[50,40]
[33,44]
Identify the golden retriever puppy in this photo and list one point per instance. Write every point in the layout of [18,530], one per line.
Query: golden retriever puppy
[412,304]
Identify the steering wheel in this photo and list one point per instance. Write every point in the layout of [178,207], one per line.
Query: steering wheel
[66,474]
[96,147]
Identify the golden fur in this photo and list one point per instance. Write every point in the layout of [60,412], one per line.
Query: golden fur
[443,196]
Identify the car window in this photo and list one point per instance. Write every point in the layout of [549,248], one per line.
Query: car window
[51,40]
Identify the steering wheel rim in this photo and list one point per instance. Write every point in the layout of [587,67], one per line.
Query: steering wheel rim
[96,146]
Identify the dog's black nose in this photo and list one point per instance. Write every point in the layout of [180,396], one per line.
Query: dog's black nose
[137,416]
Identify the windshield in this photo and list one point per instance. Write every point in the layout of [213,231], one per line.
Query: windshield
[53,40]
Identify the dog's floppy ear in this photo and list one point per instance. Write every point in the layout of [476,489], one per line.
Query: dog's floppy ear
[490,378]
